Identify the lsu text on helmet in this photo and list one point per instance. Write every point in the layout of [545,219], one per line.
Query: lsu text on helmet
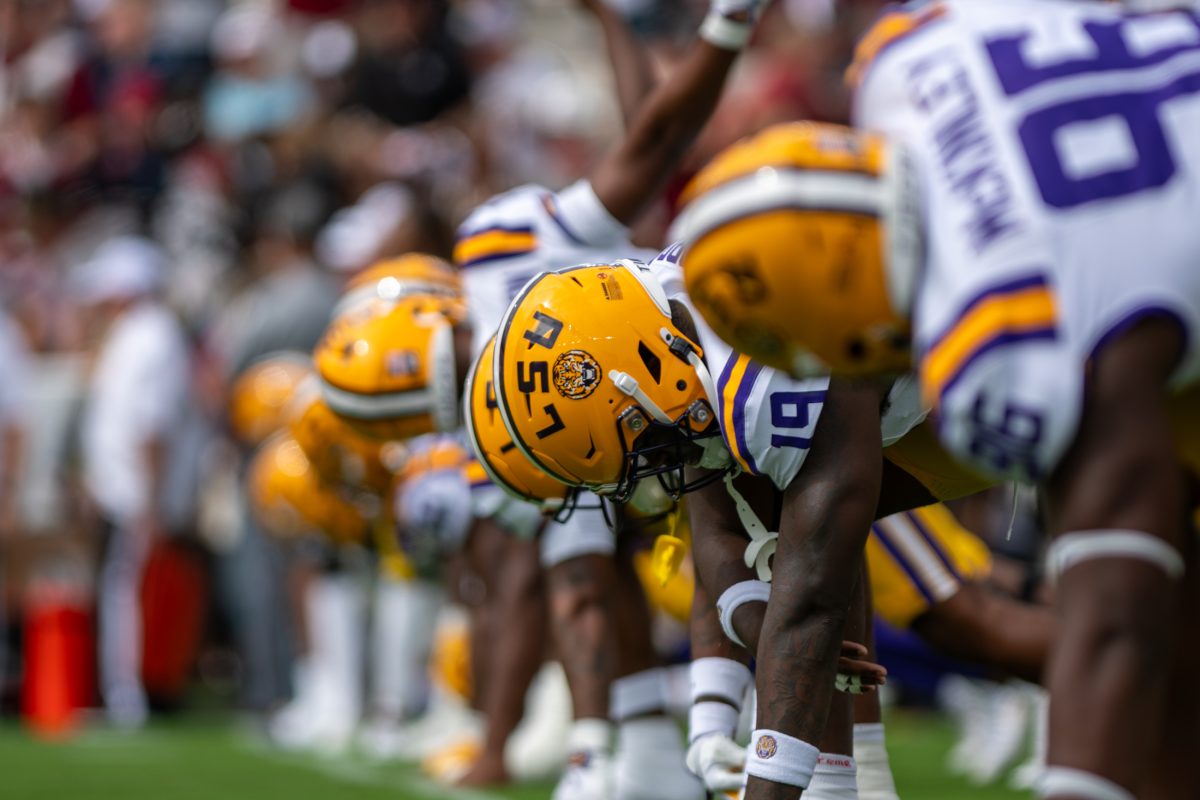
[390,281]
[339,453]
[390,371]
[260,396]
[505,465]
[596,383]
[800,244]
[290,499]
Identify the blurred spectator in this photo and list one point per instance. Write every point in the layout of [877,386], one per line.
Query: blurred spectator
[14,385]
[253,92]
[411,69]
[290,300]
[132,435]
[107,152]
[286,306]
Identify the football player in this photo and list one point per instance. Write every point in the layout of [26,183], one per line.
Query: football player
[1017,228]
[529,229]
[603,381]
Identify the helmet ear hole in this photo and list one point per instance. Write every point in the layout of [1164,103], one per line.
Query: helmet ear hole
[653,363]
[856,349]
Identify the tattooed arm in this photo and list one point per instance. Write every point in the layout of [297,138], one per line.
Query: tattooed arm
[826,516]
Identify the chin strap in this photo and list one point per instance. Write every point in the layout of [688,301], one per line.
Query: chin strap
[762,541]
[628,385]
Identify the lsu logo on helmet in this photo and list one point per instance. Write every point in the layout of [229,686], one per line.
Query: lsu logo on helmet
[576,374]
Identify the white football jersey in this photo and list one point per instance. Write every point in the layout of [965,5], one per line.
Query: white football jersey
[530,229]
[499,247]
[1055,147]
[767,417]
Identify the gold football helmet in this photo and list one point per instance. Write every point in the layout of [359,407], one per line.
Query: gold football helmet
[339,453]
[598,386]
[259,397]
[504,464]
[390,281]
[390,371]
[290,499]
[800,247]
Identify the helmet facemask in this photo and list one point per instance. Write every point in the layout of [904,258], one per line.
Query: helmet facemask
[659,447]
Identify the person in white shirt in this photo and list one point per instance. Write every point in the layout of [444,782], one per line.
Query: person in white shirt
[131,431]
[14,388]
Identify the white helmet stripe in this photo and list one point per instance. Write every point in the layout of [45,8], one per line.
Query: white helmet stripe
[377,406]
[780,187]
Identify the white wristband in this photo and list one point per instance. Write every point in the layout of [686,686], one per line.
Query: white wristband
[736,596]
[721,678]
[637,694]
[712,716]
[777,757]
[720,31]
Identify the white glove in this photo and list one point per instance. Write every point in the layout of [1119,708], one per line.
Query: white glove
[849,684]
[718,761]
[730,23]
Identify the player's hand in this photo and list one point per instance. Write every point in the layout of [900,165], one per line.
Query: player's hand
[718,761]
[488,770]
[856,675]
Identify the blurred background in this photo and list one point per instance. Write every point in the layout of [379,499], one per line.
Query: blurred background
[185,186]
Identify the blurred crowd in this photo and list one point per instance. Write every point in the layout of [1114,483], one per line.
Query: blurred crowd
[188,186]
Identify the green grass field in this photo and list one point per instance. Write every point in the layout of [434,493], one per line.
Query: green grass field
[203,760]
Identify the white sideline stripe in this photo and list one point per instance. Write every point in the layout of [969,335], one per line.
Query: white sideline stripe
[347,770]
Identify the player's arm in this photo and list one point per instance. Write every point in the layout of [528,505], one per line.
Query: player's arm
[719,677]
[632,71]
[718,546]
[630,174]
[826,516]
[980,624]
[514,620]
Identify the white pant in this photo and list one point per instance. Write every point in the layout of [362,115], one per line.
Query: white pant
[120,611]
